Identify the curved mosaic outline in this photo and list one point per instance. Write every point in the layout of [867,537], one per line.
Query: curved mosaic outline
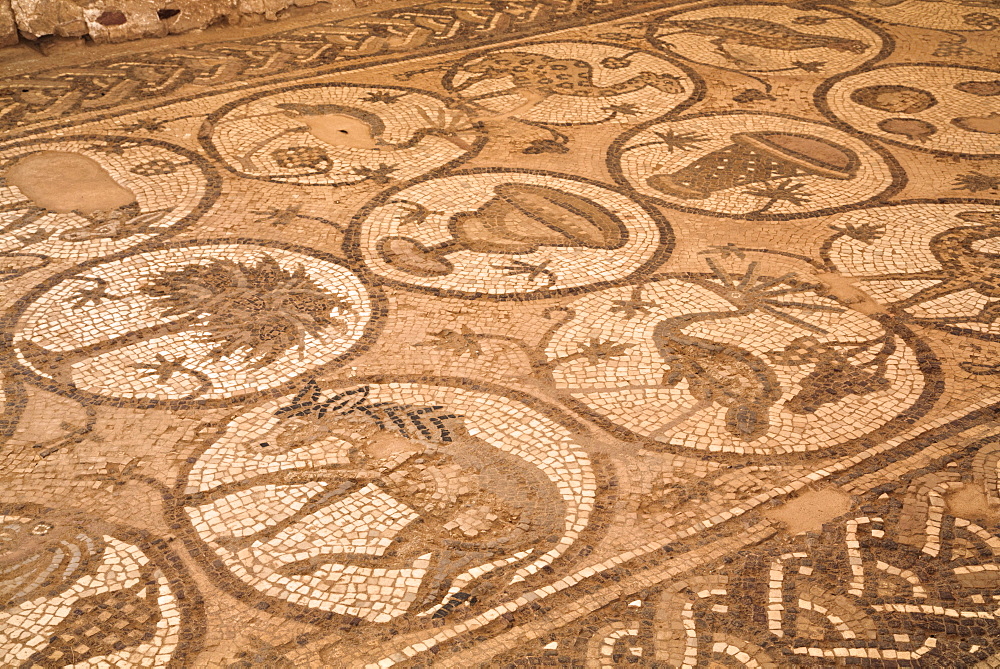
[208,126]
[697,93]
[888,43]
[933,388]
[371,331]
[187,597]
[824,253]
[176,516]
[732,531]
[847,572]
[501,622]
[612,160]
[868,12]
[318,55]
[352,238]
[210,194]
[820,95]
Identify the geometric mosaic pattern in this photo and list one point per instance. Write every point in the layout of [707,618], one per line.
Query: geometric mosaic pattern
[535,333]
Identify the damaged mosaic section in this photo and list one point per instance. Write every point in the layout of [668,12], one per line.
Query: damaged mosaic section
[558,333]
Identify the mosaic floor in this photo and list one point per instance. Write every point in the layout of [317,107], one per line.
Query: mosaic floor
[577,333]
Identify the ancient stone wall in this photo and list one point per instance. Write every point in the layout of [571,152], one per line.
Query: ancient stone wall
[121,20]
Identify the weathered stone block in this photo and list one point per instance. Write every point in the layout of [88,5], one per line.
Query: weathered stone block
[121,20]
[38,18]
[8,26]
[180,16]
[269,8]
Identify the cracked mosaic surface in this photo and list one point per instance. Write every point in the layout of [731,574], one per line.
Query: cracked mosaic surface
[508,334]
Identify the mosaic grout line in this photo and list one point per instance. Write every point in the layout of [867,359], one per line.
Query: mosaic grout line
[508,334]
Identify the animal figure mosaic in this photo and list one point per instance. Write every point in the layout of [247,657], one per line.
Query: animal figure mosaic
[963,265]
[759,33]
[835,374]
[323,370]
[542,75]
[720,374]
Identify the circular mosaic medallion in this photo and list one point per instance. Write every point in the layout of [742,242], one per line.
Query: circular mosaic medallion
[506,233]
[937,263]
[86,197]
[202,321]
[567,83]
[741,360]
[767,38]
[950,110]
[80,592]
[755,166]
[335,134]
[386,501]
[964,16]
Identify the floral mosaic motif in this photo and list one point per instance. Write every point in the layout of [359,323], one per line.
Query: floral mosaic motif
[79,591]
[508,233]
[206,322]
[340,134]
[109,197]
[757,166]
[734,361]
[937,264]
[388,501]
[951,109]
[431,379]
[566,83]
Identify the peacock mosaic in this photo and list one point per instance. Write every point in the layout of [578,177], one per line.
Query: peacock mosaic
[508,334]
